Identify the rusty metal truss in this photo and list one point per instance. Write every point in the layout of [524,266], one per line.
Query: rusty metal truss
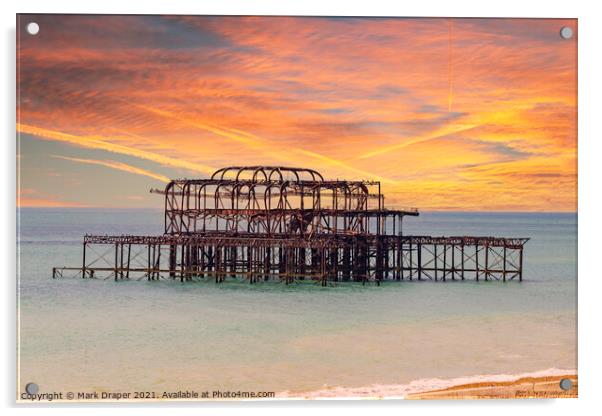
[259,223]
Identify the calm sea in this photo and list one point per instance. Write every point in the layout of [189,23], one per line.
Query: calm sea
[93,335]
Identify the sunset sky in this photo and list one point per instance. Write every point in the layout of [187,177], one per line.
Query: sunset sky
[449,114]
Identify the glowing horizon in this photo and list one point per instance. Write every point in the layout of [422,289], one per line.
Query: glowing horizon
[449,114]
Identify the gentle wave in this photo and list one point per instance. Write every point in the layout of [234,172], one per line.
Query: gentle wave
[399,391]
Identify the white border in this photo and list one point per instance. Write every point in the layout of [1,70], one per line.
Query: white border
[590,160]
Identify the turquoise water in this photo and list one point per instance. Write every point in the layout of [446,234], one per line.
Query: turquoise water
[82,335]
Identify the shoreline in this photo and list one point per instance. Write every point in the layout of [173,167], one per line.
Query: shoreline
[539,384]
[523,388]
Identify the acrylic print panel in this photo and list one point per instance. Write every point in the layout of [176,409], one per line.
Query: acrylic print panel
[338,207]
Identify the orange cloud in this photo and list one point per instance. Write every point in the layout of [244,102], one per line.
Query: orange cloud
[448,114]
[290,154]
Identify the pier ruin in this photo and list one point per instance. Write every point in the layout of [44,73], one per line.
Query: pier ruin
[260,223]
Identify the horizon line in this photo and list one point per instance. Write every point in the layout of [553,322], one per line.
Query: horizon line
[419,210]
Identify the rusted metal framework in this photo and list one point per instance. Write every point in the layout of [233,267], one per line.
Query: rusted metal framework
[277,200]
[290,224]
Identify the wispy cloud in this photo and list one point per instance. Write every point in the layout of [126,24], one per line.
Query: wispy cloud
[116,165]
[446,113]
[290,154]
[93,142]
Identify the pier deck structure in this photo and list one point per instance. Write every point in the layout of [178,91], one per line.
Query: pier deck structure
[285,224]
